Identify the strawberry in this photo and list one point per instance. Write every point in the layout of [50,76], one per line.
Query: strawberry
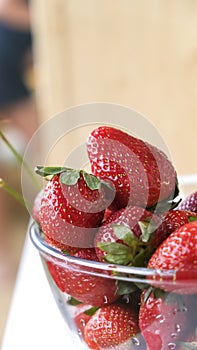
[123,238]
[36,206]
[81,285]
[141,173]
[82,315]
[189,203]
[111,326]
[72,207]
[162,321]
[171,221]
[178,253]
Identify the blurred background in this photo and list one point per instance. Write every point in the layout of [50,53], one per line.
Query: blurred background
[141,54]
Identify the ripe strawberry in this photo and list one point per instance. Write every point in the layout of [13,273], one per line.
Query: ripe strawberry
[171,221]
[189,203]
[72,207]
[162,322]
[36,206]
[124,237]
[111,326]
[81,285]
[82,315]
[141,173]
[178,253]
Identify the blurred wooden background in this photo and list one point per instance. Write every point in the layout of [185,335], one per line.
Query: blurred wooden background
[142,54]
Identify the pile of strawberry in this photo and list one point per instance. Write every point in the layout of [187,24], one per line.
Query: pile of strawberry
[126,212]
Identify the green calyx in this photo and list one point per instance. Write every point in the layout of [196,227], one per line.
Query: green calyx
[130,250]
[70,176]
[74,302]
[192,218]
[91,311]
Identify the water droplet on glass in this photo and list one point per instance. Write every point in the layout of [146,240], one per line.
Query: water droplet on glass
[171,346]
[173,335]
[135,341]
[160,318]
[82,323]
[183,309]
[177,327]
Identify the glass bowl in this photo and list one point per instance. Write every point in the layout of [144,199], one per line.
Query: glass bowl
[168,319]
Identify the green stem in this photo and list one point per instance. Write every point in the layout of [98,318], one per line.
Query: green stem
[21,161]
[12,192]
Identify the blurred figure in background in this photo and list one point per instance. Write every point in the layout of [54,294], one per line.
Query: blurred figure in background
[16,102]
[18,115]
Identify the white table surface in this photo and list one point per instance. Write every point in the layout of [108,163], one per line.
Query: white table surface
[34,321]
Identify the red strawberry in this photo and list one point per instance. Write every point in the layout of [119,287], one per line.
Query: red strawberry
[111,326]
[123,238]
[141,173]
[82,315]
[72,207]
[107,214]
[81,285]
[162,322]
[189,203]
[36,206]
[178,253]
[172,220]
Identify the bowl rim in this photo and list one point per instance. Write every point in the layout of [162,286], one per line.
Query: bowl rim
[49,251]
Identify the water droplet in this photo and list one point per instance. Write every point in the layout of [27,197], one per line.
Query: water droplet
[160,318]
[183,309]
[105,299]
[173,335]
[177,327]
[126,299]
[135,341]
[171,346]
[82,322]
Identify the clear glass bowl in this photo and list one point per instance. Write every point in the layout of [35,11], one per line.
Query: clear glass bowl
[168,319]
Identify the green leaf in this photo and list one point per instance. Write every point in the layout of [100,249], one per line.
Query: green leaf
[147,228]
[92,181]
[70,177]
[91,311]
[46,171]
[159,293]
[147,294]
[192,218]
[126,288]
[117,253]
[66,252]
[124,233]
[140,258]
[141,286]
[72,301]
